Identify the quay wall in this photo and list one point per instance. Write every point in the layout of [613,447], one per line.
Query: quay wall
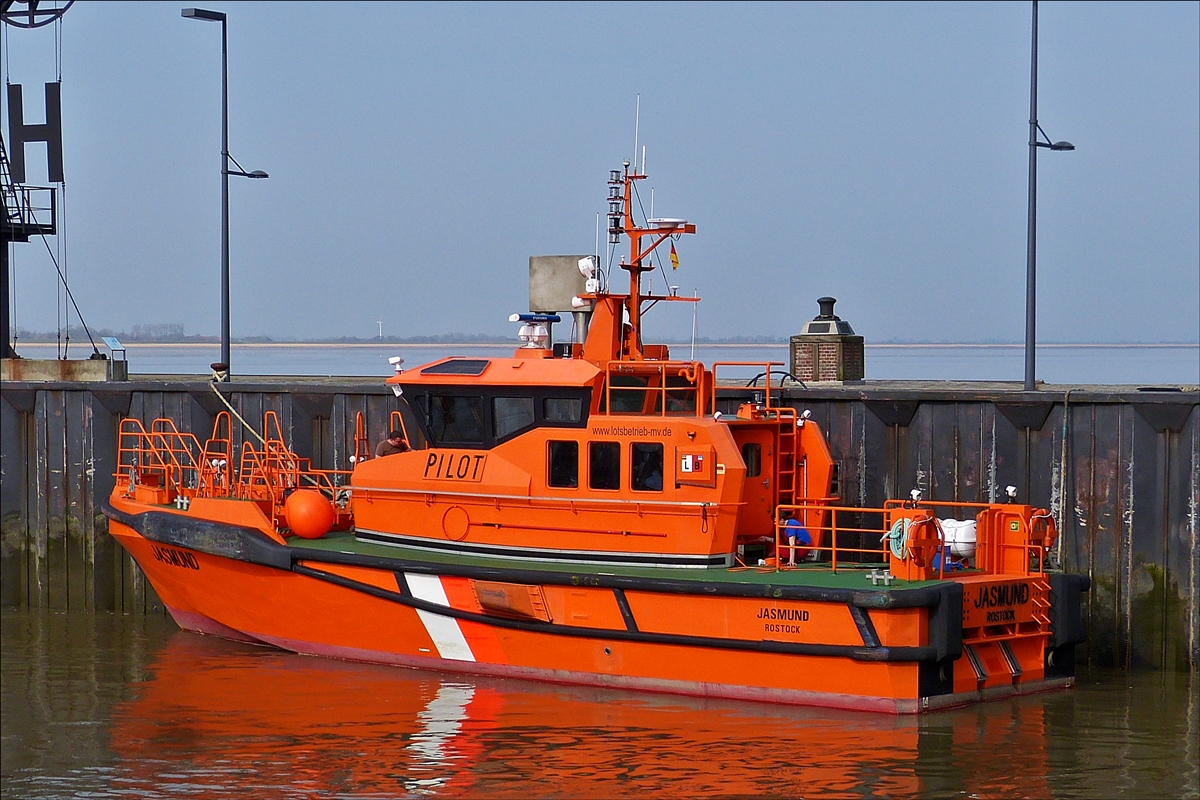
[1120,469]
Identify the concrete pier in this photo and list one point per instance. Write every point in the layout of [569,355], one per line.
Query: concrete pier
[1119,467]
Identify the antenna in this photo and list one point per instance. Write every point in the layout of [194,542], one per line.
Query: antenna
[597,238]
[695,308]
[651,193]
[637,118]
[643,159]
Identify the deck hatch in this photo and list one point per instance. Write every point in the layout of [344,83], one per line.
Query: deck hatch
[458,366]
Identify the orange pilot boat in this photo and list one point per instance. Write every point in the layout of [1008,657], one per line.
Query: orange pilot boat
[587,514]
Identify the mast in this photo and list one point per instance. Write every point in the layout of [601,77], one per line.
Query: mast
[659,231]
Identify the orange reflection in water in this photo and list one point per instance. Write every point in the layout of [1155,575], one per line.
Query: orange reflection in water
[220,719]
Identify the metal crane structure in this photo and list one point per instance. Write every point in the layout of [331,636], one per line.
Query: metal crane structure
[29,211]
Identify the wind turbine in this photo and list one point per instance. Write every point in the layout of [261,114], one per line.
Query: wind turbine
[380,323]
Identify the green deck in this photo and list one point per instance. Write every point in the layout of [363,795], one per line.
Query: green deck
[848,576]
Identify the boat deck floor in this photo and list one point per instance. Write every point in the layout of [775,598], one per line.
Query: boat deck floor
[849,575]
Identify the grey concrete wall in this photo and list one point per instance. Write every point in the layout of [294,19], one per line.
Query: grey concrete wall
[1120,468]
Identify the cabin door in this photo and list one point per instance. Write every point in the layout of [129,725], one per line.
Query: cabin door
[759,492]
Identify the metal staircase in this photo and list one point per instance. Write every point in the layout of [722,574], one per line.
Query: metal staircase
[28,210]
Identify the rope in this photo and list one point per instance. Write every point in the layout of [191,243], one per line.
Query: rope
[63,278]
[212,385]
[897,538]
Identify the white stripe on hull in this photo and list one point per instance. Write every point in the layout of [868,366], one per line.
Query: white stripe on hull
[447,636]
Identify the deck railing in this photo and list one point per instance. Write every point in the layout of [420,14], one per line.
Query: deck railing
[675,387]
[664,388]
[174,467]
[1010,539]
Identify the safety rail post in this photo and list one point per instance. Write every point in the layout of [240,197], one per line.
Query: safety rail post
[362,446]
[216,467]
[396,417]
[128,428]
[833,538]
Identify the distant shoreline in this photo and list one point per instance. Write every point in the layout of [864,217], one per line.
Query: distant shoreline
[726,345]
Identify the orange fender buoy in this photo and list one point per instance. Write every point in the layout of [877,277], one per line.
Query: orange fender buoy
[308,513]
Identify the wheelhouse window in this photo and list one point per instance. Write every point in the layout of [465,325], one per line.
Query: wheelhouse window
[562,409]
[681,395]
[604,465]
[627,401]
[646,466]
[563,464]
[456,419]
[511,415]
[752,455]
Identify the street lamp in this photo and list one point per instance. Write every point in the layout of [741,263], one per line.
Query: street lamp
[1031,242]
[219,16]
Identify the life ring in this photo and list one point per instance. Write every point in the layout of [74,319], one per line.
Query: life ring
[922,548]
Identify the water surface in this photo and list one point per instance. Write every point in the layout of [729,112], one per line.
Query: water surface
[1070,364]
[120,707]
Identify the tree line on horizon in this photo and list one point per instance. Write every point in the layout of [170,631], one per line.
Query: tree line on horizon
[174,333]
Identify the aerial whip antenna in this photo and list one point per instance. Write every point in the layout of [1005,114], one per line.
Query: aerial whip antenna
[637,118]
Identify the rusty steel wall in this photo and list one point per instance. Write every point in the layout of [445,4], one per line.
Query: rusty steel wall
[1126,462]
[1128,466]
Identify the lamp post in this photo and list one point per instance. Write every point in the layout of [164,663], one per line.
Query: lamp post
[219,16]
[1031,240]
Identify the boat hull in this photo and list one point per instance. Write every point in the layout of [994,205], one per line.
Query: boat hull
[424,616]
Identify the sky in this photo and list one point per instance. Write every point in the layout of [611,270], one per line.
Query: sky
[420,153]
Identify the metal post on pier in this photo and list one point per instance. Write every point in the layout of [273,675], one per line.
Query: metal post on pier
[1031,237]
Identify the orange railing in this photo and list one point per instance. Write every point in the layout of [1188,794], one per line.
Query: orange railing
[1010,539]
[767,367]
[396,423]
[267,474]
[827,524]
[164,465]
[362,447]
[162,459]
[216,460]
[1000,548]
[678,385]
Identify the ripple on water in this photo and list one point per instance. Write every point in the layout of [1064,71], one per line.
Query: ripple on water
[121,707]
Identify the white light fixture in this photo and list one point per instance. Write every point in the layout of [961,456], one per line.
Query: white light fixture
[587,267]
[534,335]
